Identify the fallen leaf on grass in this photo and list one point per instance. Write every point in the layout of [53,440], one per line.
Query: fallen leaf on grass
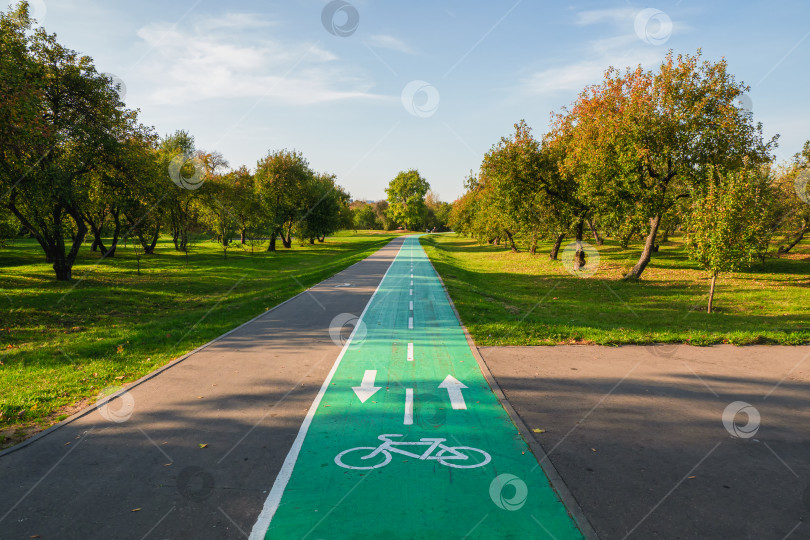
[119,378]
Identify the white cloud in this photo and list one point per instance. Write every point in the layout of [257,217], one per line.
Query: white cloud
[221,58]
[585,18]
[389,42]
[574,77]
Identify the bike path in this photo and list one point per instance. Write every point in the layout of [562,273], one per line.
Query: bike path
[476,477]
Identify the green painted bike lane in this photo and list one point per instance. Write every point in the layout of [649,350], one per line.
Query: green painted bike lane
[407,375]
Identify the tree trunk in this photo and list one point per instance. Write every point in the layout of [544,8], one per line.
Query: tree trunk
[311,241]
[175,237]
[579,255]
[511,242]
[150,247]
[533,245]
[599,239]
[272,245]
[62,262]
[711,292]
[116,232]
[243,237]
[555,250]
[786,249]
[624,241]
[649,244]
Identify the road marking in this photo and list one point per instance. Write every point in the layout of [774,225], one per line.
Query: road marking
[411,276]
[411,292]
[330,492]
[411,283]
[410,352]
[274,498]
[454,387]
[408,421]
[366,388]
[411,305]
[410,323]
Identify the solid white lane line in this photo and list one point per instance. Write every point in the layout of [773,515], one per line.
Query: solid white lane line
[410,323]
[408,407]
[410,352]
[274,498]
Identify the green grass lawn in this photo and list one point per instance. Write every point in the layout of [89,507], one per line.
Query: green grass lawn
[63,342]
[509,298]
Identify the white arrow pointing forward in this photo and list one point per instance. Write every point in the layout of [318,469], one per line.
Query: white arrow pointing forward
[367,388]
[454,387]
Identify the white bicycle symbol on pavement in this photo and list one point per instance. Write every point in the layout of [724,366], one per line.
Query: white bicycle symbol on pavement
[460,457]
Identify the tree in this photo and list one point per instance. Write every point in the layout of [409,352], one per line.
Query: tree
[727,227]
[364,216]
[793,186]
[82,120]
[640,141]
[322,204]
[406,199]
[281,178]
[438,212]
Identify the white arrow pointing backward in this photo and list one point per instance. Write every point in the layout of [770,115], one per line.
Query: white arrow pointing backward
[454,387]
[367,388]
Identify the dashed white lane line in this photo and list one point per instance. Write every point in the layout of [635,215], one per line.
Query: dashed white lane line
[411,305]
[411,292]
[410,352]
[410,323]
[408,407]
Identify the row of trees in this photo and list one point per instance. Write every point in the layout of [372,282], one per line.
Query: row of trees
[636,157]
[75,163]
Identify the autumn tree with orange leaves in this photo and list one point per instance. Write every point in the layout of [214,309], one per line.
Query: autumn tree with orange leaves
[641,140]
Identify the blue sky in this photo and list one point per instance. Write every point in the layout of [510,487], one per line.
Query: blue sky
[248,77]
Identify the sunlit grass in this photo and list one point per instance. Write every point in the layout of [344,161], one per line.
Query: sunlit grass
[61,343]
[519,299]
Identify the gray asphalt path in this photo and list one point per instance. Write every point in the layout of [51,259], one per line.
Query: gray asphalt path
[135,469]
[648,442]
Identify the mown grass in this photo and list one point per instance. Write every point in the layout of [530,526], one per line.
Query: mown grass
[62,343]
[509,298]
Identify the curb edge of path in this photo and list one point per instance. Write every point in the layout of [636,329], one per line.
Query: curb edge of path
[95,405]
[554,478]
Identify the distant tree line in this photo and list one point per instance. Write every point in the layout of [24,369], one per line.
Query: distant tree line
[77,165]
